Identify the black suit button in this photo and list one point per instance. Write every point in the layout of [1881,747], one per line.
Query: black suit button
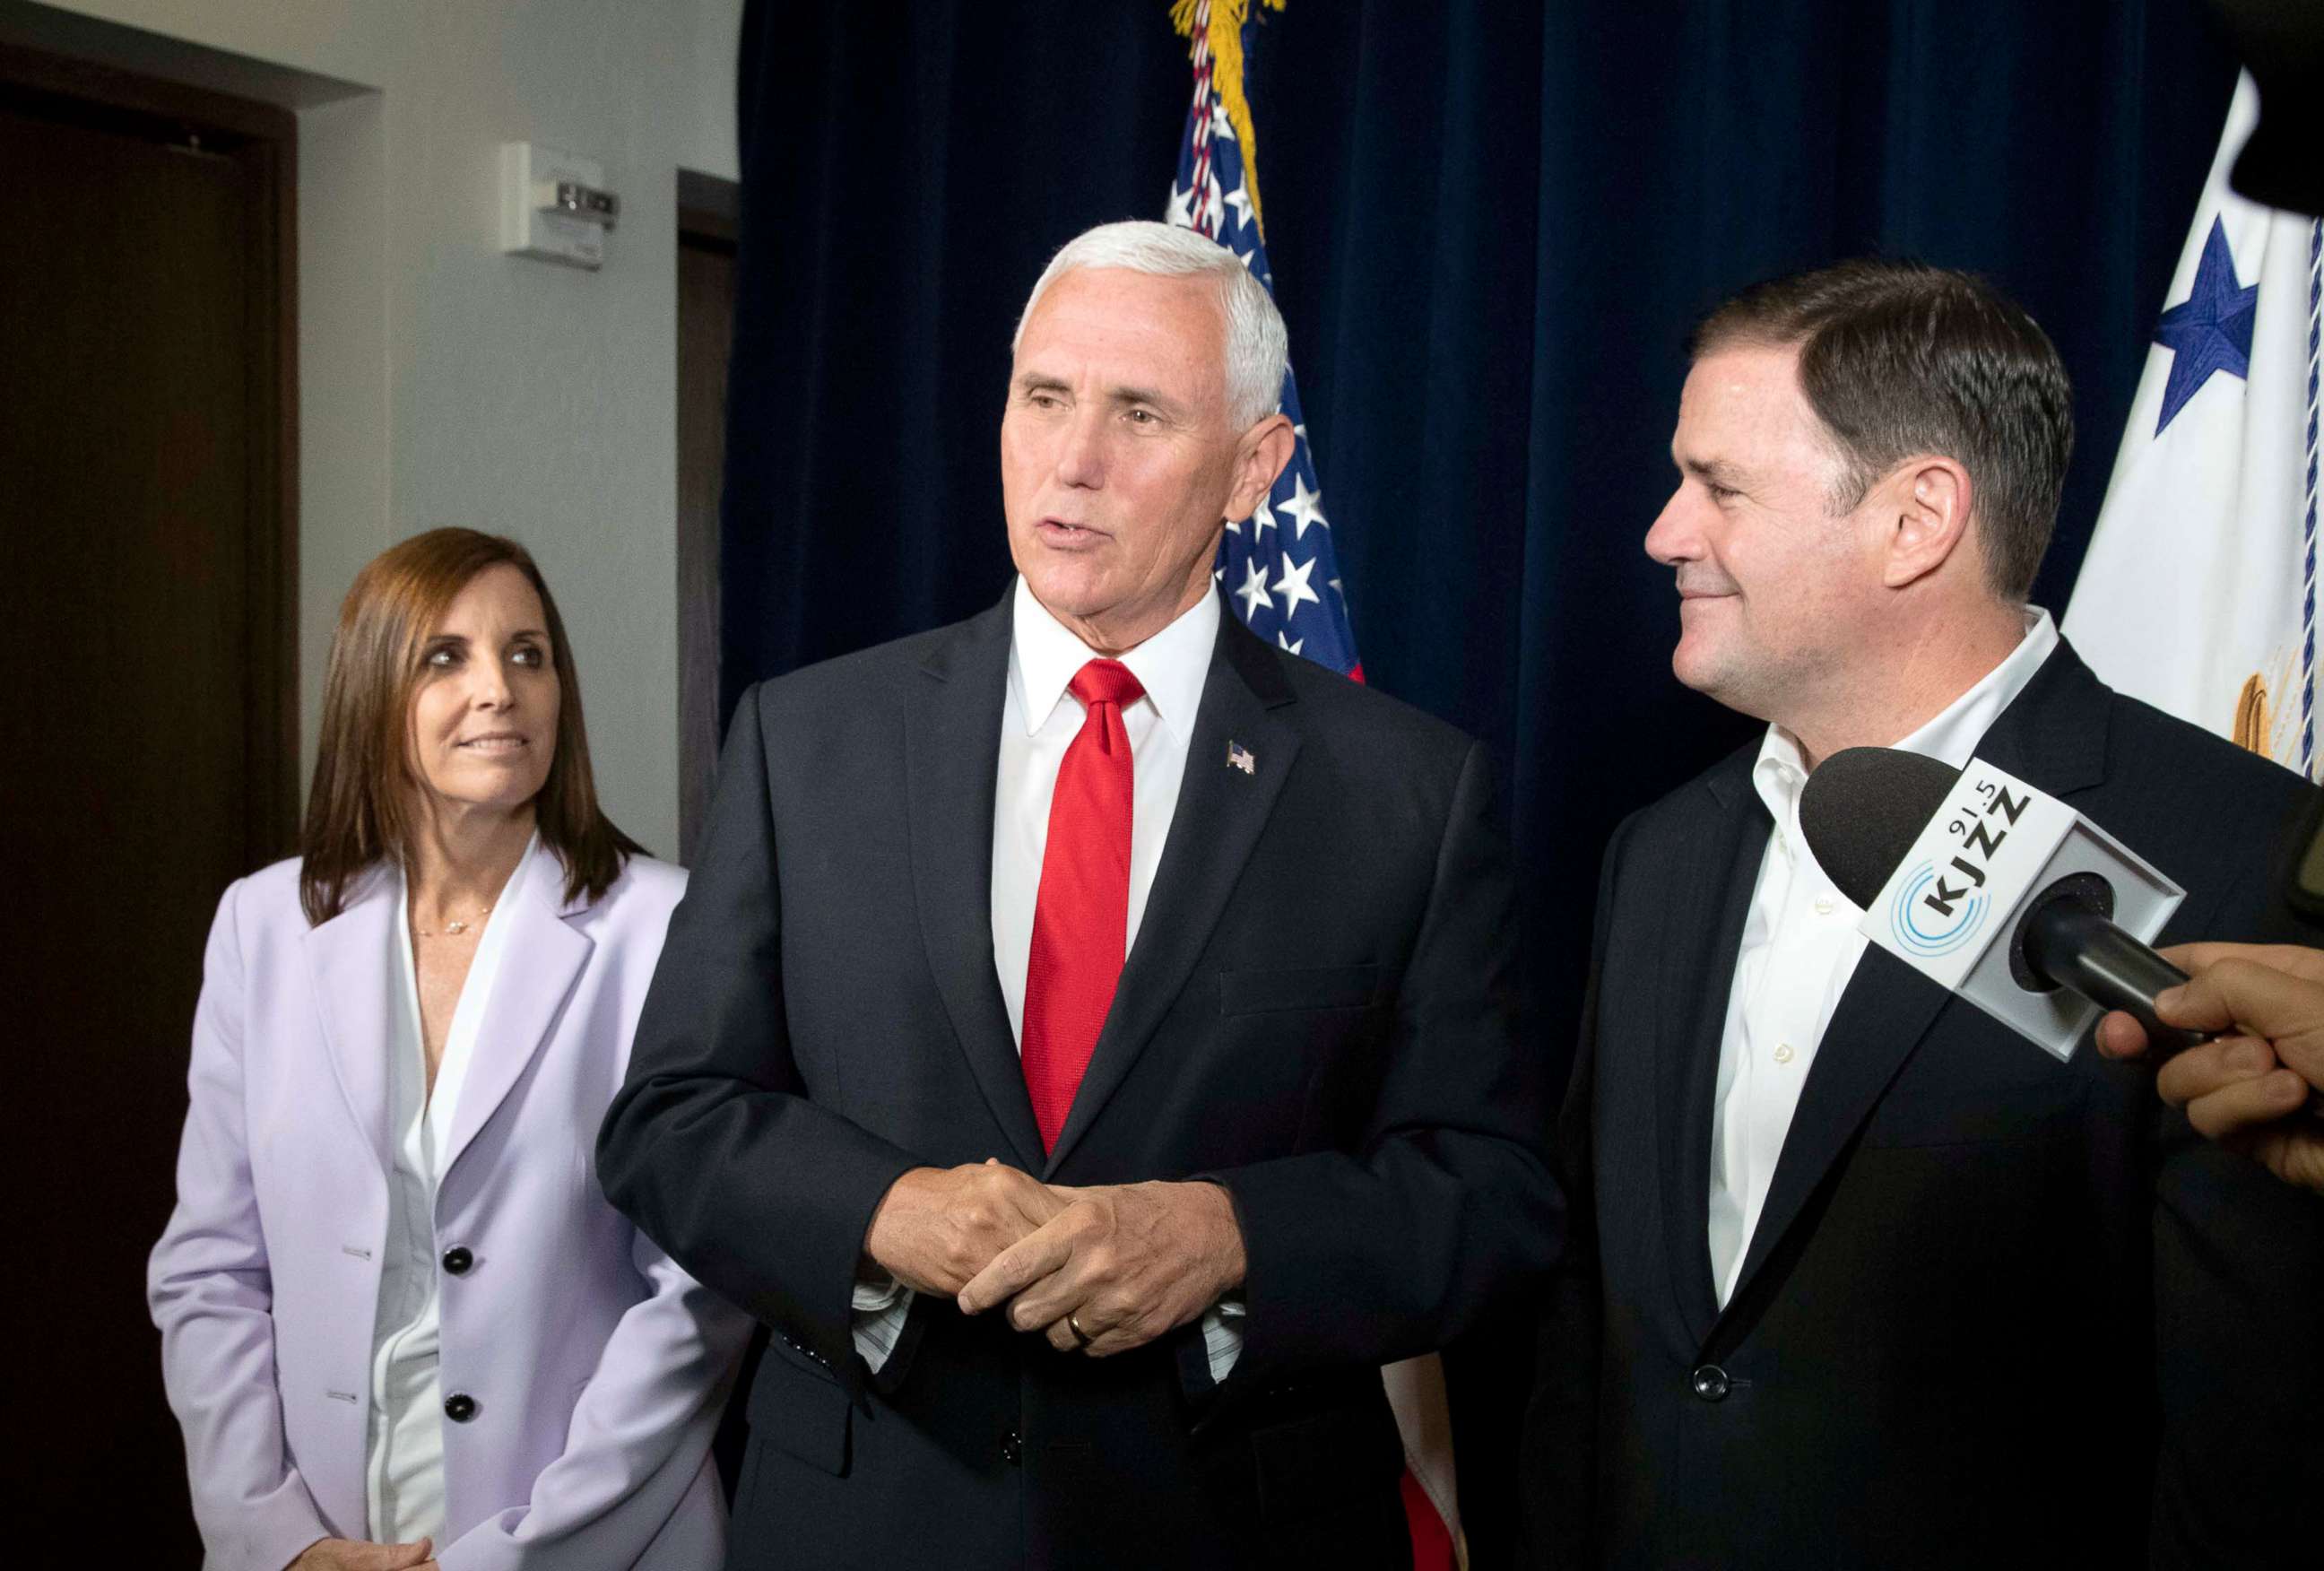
[459,1407]
[1012,1450]
[1709,1382]
[457,1260]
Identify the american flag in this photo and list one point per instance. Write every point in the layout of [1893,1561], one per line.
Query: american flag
[1278,568]
[1283,578]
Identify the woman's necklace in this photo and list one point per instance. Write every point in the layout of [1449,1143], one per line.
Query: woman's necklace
[454,928]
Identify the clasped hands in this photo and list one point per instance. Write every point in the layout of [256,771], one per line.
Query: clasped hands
[1124,1262]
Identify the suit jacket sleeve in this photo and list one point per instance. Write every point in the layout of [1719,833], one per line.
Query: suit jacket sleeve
[639,1434]
[1559,1450]
[211,1288]
[712,1145]
[2238,1277]
[1396,1248]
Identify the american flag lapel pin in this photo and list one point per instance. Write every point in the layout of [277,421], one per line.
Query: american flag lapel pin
[1240,757]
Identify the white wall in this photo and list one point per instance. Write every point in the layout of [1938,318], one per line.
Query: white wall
[441,382]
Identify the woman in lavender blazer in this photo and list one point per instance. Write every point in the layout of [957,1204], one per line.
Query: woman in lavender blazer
[401,1325]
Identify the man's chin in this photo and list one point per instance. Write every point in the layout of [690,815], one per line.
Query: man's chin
[1076,595]
[1702,671]
[1694,667]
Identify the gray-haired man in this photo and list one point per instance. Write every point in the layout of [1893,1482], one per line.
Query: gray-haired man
[1086,1044]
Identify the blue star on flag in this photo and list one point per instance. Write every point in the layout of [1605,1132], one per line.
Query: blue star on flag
[2210,330]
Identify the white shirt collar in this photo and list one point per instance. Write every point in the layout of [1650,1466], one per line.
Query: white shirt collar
[1171,666]
[1952,736]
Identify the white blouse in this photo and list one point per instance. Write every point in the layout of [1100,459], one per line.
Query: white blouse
[404,1468]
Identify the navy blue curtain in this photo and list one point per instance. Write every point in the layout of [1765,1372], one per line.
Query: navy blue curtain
[1491,226]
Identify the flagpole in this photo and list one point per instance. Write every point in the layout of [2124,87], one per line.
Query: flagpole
[2308,522]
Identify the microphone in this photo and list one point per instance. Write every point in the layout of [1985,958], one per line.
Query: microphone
[1997,891]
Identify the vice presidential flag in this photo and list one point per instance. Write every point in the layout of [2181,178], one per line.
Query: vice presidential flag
[1281,573]
[2199,594]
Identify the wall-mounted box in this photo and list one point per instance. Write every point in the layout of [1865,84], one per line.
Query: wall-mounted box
[554,205]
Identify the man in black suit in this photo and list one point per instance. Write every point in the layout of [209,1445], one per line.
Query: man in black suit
[1862,1279]
[1071,1260]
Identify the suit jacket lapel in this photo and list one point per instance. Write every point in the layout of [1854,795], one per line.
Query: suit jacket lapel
[542,955]
[1703,932]
[2053,736]
[951,735]
[348,963]
[1881,1017]
[1220,814]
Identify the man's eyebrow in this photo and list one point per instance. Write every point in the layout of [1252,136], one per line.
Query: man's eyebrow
[1039,381]
[1168,405]
[1713,472]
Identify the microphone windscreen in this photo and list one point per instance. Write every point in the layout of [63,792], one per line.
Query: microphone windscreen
[1862,808]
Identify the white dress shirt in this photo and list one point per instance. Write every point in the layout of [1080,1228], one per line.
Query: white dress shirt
[1800,948]
[404,1457]
[1038,722]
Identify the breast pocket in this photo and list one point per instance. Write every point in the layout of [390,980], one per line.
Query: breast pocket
[1311,988]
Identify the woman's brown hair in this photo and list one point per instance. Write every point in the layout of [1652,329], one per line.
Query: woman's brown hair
[356,815]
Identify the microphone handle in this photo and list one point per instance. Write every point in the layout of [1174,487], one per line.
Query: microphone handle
[2081,950]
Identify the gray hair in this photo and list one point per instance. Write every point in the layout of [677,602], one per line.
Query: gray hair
[1256,347]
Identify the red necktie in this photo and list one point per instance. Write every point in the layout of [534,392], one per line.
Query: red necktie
[1081,918]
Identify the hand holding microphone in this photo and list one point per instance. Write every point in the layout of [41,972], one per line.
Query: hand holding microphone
[1920,844]
[2268,1002]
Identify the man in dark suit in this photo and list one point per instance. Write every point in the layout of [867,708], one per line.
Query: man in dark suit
[1086,1041]
[1862,1279]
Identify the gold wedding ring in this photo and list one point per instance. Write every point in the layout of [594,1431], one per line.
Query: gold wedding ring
[1081,1338]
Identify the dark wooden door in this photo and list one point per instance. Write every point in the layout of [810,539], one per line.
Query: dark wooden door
[705,337]
[144,618]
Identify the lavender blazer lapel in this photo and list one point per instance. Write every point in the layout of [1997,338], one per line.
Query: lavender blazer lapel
[348,966]
[542,955]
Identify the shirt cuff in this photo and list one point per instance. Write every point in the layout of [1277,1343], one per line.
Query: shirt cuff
[1223,1336]
[876,1289]
[880,1306]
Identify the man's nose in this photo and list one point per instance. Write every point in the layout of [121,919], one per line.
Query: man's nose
[1081,456]
[1673,538]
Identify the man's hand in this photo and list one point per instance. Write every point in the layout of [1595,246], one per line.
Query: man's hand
[2245,1090]
[353,1555]
[937,1227]
[1128,1262]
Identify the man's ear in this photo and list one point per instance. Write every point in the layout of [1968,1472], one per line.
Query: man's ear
[1260,458]
[1925,508]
